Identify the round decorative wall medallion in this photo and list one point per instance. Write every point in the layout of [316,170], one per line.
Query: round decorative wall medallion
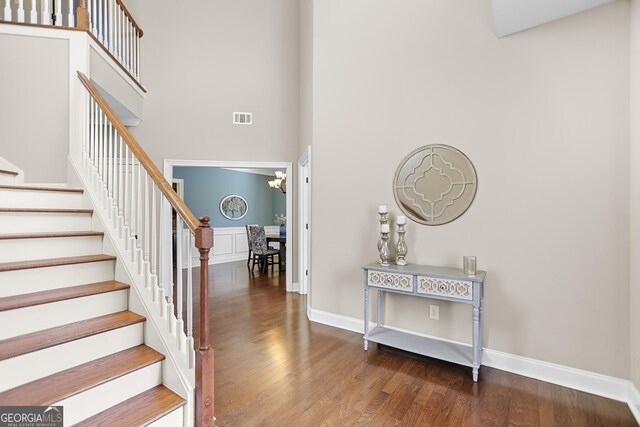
[234,207]
[435,184]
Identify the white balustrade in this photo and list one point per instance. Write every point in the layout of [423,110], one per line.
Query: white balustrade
[131,201]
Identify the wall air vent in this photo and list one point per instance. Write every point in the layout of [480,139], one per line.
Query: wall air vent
[242,118]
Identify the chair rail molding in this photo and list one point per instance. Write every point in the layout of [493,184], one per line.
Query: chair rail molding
[165,218]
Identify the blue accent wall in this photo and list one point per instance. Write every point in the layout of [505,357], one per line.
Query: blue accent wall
[205,187]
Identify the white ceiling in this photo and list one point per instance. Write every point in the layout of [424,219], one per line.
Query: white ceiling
[512,16]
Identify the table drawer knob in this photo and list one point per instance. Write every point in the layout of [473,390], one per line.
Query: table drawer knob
[443,287]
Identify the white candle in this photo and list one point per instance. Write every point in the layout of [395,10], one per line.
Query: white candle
[384,228]
[382,209]
[401,220]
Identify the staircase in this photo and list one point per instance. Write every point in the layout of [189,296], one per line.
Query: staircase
[67,336]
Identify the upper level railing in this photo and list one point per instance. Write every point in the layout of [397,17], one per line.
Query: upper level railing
[108,21]
[130,191]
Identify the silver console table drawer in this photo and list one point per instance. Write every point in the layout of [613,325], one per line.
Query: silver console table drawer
[457,289]
[398,282]
[450,284]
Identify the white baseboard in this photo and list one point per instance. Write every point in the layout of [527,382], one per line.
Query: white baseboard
[587,381]
[590,382]
[295,287]
[343,322]
[634,401]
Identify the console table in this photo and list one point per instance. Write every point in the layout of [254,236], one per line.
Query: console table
[449,284]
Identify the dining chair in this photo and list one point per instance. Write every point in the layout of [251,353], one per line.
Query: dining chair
[249,242]
[260,250]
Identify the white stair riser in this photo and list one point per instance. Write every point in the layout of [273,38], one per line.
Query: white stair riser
[40,279]
[12,222]
[98,399]
[24,249]
[7,179]
[40,199]
[31,319]
[32,366]
[172,419]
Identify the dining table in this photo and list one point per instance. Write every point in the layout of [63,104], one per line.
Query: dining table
[282,241]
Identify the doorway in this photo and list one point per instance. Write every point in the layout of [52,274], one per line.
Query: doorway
[170,164]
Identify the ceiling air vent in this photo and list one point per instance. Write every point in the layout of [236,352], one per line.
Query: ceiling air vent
[242,118]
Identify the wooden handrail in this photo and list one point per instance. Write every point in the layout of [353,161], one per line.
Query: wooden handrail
[166,188]
[133,21]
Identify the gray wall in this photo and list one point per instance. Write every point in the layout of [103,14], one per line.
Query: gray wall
[219,57]
[204,188]
[34,106]
[543,115]
[635,193]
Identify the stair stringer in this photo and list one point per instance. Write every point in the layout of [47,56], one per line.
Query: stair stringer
[159,329]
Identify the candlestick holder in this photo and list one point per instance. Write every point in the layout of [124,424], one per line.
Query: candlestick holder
[383,220]
[401,246]
[385,255]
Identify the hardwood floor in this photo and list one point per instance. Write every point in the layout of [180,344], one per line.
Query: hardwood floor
[275,368]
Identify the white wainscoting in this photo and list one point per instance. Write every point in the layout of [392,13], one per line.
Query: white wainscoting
[229,244]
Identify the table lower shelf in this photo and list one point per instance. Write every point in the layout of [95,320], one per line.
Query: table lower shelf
[455,353]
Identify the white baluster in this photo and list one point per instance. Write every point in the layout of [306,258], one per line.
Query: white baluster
[121,184]
[93,138]
[132,212]
[154,236]
[7,10]
[110,10]
[104,154]
[58,15]
[46,13]
[105,22]
[20,11]
[99,21]
[127,48]
[71,22]
[117,33]
[93,16]
[139,225]
[33,16]
[137,74]
[127,196]
[147,222]
[189,286]
[179,271]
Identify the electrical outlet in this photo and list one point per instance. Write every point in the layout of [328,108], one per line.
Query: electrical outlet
[434,312]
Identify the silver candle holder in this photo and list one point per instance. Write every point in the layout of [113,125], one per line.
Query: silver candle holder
[401,246]
[385,254]
[383,220]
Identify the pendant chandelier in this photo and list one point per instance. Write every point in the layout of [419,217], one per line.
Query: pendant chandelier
[279,182]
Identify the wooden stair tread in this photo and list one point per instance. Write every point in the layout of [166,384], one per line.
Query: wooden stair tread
[61,294]
[67,383]
[6,172]
[140,410]
[23,344]
[36,188]
[45,210]
[50,235]
[53,262]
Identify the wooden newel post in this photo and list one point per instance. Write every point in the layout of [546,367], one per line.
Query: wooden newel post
[82,15]
[204,353]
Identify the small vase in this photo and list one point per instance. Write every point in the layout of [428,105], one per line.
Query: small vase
[283,231]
